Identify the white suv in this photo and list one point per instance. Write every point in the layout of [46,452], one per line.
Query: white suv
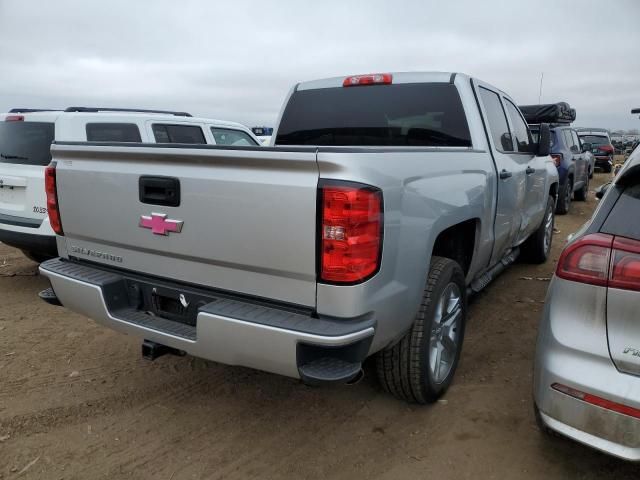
[25,140]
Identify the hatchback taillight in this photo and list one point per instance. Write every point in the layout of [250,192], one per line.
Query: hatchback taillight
[604,260]
[52,198]
[350,232]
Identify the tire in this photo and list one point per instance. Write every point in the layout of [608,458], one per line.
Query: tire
[607,168]
[564,199]
[404,370]
[537,247]
[582,194]
[36,257]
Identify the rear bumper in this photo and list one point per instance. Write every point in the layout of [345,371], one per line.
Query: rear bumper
[228,329]
[31,241]
[572,350]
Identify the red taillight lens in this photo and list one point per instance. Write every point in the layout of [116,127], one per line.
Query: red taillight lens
[371,79]
[52,198]
[586,260]
[625,270]
[14,118]
[557,158]
[601,259]
[351,232]
[606,148]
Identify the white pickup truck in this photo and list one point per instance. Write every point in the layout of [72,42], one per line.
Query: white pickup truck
[386,200]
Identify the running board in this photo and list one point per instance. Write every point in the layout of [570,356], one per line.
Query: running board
[485,279]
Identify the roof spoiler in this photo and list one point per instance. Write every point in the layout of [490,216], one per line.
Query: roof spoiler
[127,110]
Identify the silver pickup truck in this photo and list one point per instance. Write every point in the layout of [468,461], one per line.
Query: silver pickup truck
[384,203]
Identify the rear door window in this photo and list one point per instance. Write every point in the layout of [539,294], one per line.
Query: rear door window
[172,133]
[568,139]
[406,115]
[113,132]
[497,120]
[521,139]
[27,143]
[229,136]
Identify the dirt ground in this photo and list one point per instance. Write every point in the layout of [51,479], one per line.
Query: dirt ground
[77,401]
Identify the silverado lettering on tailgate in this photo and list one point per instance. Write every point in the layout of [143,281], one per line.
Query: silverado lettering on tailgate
[96,253]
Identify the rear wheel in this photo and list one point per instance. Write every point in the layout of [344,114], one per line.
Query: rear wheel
[583,193]
[564,198]
[420,367]
[537,247]
[607,167]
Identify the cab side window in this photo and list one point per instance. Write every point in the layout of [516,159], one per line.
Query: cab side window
[166,133]
[497,120]
[522,138]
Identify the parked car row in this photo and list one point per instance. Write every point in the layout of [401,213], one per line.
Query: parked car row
[384,203]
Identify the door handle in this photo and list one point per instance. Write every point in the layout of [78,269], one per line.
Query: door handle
[505,174]
[530,170]
[159,190]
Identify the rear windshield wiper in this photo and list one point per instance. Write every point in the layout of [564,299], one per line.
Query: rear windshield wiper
[12,157]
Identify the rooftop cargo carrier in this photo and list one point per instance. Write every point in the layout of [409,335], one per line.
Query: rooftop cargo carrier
[559,112]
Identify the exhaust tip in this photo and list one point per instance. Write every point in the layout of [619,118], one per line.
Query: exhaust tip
[357,378]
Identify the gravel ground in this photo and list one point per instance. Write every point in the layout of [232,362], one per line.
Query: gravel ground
[77,401]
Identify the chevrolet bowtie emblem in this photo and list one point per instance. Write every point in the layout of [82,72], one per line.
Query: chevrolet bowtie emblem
[160,224]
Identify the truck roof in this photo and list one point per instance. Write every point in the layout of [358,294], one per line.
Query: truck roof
[398,77]
[116,115]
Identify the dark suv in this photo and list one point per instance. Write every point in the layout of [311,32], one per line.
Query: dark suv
[601,147]
[574,167]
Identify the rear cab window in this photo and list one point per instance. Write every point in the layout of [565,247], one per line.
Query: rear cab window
[113,132]
[176,133]
[230,136]
[26,143]
[404,115]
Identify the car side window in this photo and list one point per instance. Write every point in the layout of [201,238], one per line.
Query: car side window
[576,141]
[229,136]
[167,133]
[113,132]
[521,134]
[568,140]
[497,119]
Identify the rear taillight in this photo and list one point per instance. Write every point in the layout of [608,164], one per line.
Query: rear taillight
[371,79]
[350,232]
[604,260]
[557,158]
[52,198]
[625,264]
[606,148]
[14,118]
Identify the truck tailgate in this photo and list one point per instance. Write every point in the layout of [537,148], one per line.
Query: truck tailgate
[248,215]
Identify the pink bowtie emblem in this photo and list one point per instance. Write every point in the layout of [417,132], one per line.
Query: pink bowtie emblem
[160,224]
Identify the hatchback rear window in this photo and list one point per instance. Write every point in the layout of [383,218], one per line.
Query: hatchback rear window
[165,133]
[413,114]
[27,143]
[594,139]
[113,132]
[229,136]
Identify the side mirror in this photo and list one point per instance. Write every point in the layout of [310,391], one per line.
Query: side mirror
[602,190]
[544,140]
[586,147]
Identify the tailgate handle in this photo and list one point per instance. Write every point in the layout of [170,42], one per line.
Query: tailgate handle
[160,191]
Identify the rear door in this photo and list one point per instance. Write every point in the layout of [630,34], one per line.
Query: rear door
[581,159]
[241,220]
[511,168]
[24,153]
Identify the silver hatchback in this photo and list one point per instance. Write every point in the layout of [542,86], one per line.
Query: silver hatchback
[587,369]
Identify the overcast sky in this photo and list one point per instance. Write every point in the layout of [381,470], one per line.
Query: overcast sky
[236,60]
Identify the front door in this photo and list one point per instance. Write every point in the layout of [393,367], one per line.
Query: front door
[510,169]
